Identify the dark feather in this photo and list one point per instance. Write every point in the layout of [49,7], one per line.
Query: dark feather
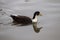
[21,19]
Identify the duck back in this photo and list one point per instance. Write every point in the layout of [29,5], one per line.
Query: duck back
[21,19]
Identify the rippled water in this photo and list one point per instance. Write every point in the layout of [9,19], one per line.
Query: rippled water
[50,21]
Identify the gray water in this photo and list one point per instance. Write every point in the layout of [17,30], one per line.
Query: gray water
[50,21]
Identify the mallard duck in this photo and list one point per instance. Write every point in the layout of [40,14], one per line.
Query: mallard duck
[24,20]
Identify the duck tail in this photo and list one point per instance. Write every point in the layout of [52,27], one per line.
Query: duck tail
[13,16]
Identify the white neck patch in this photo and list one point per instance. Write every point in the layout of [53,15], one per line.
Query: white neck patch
[35,19]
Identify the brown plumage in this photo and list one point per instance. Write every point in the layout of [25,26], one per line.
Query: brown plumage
[21,19]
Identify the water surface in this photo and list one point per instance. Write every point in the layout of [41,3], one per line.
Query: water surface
[50,21]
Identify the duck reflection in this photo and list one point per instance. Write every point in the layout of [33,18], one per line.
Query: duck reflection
[37,30]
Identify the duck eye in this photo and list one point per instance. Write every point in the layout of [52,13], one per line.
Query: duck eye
[37,13]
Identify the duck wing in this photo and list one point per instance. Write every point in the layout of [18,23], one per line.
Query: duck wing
[22,19]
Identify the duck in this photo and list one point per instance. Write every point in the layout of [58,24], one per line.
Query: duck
[24,20]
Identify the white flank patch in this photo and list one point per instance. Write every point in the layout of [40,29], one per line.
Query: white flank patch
[15,14]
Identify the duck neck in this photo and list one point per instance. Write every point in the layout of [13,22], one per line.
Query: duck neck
[34,18]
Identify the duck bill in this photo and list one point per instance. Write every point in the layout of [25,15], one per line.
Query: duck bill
[41,14]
